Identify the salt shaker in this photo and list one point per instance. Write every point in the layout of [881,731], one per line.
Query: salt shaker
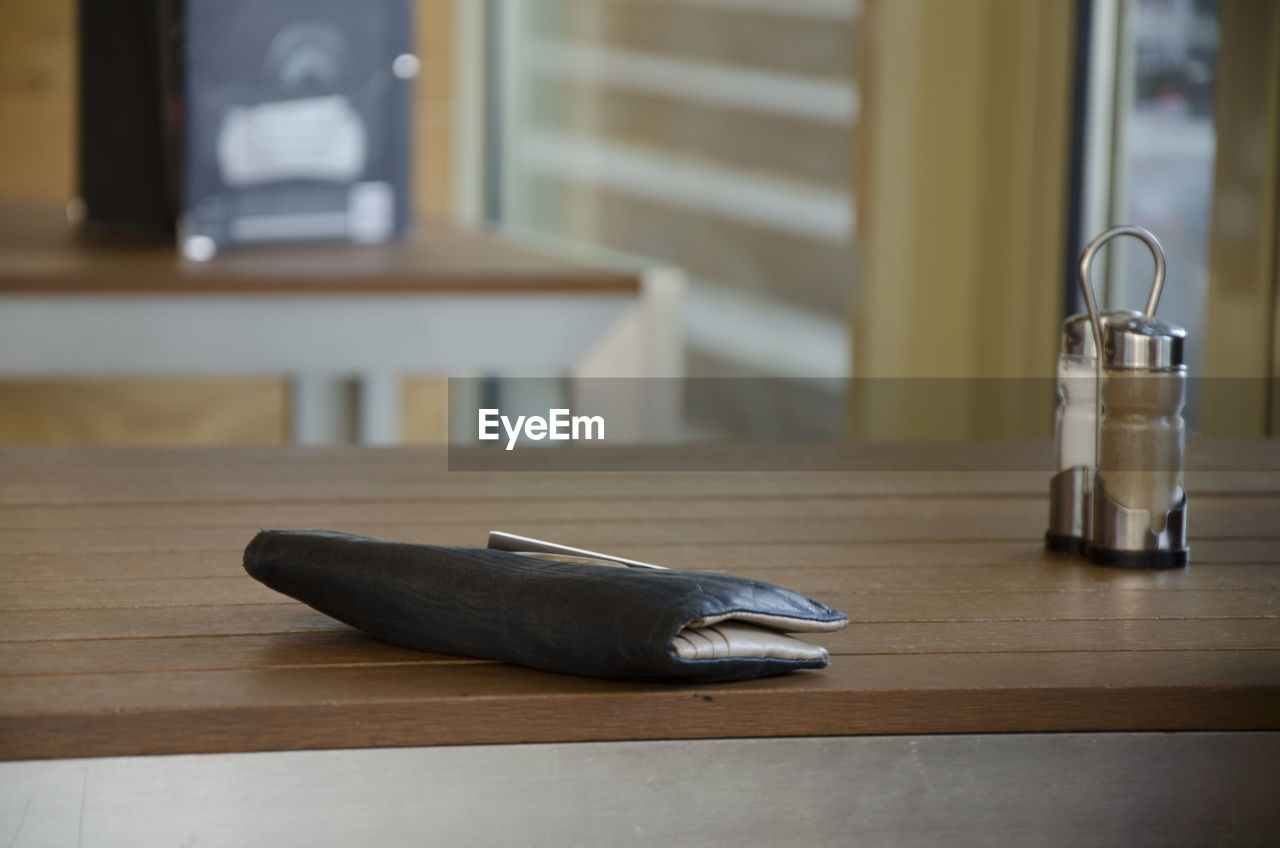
[1139,506]
[1075,435]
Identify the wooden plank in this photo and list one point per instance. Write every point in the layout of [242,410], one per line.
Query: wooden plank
[175,712]
[1016,637]
[316,648]
[920,673]
[444,509]
[33,476]
[1115,604]
[224,485]
[1055,573]
[325,648]
[474,533]
[1079,587]
[30,481]
[596,536]
[1214,514]
[898,556]
[119,566]
[126,623]
[135,594]
[282,616]
[1207,455]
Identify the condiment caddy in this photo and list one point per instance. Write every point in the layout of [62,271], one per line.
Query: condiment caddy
[1118,495]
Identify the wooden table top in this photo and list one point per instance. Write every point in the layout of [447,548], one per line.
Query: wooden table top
[127,625]
[40,254]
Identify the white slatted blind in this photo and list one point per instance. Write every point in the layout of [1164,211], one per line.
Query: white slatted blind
[712,134]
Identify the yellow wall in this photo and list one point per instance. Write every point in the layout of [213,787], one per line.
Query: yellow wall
[962,157]
[1244,263]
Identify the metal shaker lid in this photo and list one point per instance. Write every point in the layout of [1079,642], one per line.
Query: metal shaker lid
[1077,332]
[1141,343]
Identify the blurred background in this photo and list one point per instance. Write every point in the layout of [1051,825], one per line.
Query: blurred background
[838,189]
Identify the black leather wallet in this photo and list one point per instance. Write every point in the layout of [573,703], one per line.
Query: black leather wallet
[568,614]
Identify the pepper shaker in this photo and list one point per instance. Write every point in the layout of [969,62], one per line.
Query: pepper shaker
[1139,505]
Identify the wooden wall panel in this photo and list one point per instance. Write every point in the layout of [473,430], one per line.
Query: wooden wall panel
[37,99]
[432,164]
[144,411]
[424,410]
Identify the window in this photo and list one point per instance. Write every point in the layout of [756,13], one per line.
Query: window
[1163,57]
[711,134]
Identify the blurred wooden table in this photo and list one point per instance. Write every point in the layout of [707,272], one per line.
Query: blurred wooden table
[128,628]
[445,300]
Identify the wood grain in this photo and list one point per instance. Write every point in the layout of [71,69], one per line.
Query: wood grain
[127,625]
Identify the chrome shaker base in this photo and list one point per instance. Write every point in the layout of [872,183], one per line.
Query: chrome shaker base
[1066,543]
[1178,558]
[1070,502]
[1123,537]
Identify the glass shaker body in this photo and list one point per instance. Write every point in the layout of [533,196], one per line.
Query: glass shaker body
[1076,424]
[1075,430]
[1142,440]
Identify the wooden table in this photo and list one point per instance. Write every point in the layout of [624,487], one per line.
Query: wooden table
[986,691]
[444,300]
